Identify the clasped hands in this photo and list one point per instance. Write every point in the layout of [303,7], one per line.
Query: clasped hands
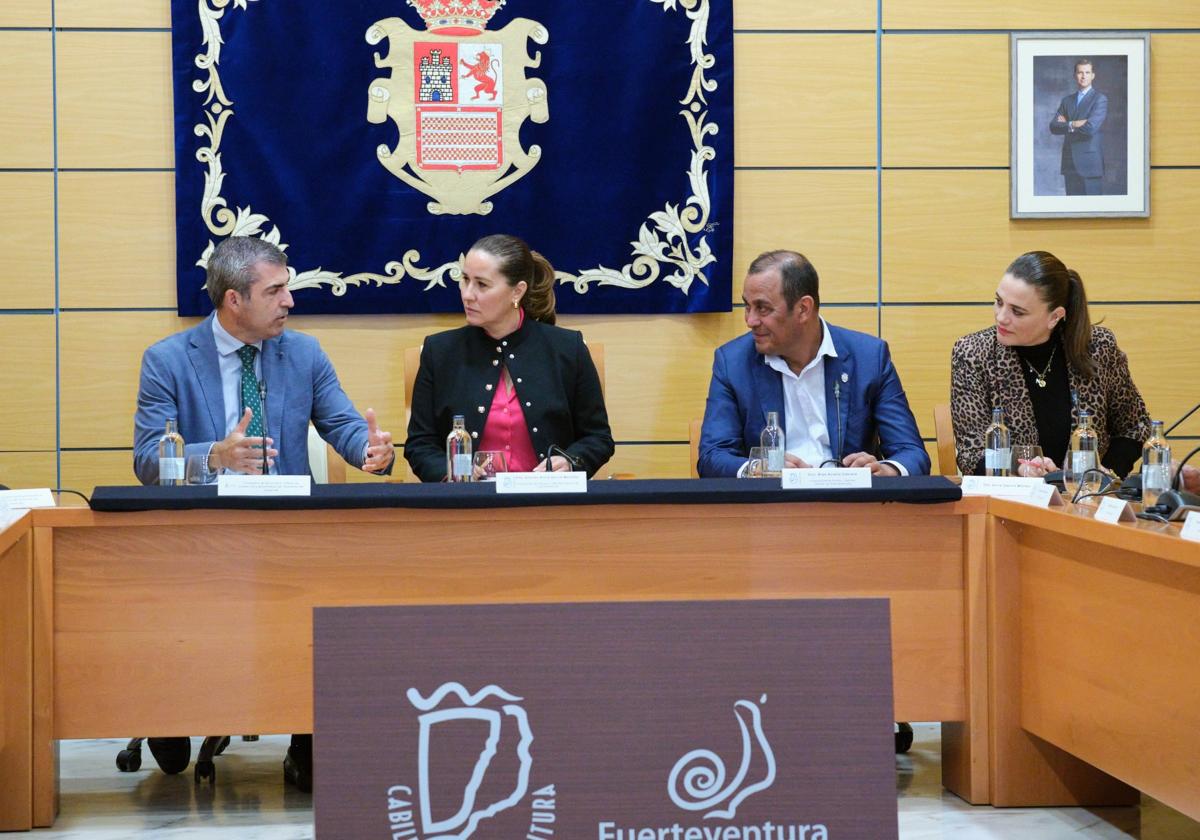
[243,454]
[855,459]
[1035,467]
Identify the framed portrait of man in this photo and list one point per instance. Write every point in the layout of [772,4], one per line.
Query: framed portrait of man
[1080,124]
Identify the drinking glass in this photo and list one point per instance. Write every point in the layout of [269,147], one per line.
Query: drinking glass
[487,464]
[756,466]
[196,470]
[1024,452]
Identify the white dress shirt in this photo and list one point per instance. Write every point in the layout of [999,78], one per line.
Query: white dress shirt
[805,421]
[231,373]
[806,424]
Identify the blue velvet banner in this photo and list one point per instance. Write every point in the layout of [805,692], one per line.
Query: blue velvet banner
[377,139]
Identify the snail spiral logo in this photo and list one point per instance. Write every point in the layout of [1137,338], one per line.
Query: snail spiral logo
[698,779]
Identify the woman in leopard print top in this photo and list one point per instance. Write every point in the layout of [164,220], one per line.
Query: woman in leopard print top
[1042,362]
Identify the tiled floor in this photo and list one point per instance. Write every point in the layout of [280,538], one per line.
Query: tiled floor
[249,802]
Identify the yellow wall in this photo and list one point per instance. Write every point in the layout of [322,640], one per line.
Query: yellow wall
[883,154]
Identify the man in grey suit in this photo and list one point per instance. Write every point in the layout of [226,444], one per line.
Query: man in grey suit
[243,390]
[215,378]
[1079,118]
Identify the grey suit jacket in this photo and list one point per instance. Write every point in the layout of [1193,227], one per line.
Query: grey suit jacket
[181,378]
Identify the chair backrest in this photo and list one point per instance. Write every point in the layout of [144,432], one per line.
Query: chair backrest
[947,450]
[412,361]
[325,463]
[597,350]
[694,446]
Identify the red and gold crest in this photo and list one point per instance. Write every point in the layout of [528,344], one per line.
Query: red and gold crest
[458,94]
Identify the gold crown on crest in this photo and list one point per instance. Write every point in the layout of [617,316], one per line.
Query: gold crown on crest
[456,17]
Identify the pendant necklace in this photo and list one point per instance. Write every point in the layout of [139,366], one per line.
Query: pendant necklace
[1040,378]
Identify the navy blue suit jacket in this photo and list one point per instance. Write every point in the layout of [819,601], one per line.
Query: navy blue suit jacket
[181,378]
[1081,152]
[872,404]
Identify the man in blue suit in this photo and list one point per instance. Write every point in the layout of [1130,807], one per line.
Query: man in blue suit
[214,380]
[1079,119]
[836,390]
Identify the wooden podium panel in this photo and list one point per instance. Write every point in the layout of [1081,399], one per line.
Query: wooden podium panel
[231,594]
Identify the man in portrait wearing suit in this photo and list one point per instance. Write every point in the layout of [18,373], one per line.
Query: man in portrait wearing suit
[214,379]
[836,390]
[1079,119]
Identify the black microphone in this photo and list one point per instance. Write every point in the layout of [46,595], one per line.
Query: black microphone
[262,402]
[554,449]
[1179,422]
[1131,485]
[837,399]
[837,402]
[1176,503]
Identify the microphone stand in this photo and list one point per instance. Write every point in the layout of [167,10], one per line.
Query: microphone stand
[1175,503]
[1179,422]
[1131,485]
[262,399]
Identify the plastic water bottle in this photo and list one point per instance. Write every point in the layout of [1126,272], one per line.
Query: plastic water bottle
[772,445]
[1156,465]
[170,456]
[1084,455]
[458,452]
[997,455]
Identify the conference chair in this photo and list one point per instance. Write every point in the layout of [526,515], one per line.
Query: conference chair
[324,461]
[943,427]
[129,759]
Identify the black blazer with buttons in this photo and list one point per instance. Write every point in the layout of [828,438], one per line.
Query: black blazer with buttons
[554,377]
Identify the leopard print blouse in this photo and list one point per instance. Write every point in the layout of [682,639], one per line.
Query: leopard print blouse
[985,374]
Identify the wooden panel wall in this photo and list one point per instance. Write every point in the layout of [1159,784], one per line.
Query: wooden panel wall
[878,146]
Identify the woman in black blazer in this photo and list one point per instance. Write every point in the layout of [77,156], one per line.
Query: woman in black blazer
[539,378]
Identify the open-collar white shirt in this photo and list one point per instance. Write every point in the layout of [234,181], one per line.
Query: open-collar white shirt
[806,426]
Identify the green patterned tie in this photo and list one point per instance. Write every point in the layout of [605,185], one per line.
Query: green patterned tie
[251,398]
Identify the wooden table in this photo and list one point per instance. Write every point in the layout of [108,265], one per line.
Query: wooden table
[1094,657]
[1056,650]
[195,622]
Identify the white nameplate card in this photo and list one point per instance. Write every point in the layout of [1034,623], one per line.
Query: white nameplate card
[1113,510]
[838,478]
[264,485]
[541,482]
[1043,495]
[1004,487]
[25,499]
[1191,527]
